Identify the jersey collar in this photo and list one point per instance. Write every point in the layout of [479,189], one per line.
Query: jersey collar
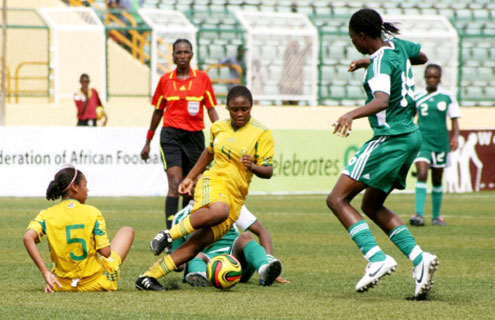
[192,74]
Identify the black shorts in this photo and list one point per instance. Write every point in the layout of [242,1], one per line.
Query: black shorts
[181,148]
[86,123]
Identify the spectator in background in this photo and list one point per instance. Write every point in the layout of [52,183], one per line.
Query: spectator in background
[88,104]
[237,60]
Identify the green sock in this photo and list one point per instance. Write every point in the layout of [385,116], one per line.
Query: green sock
[403,239]
[436,196]
[196,265]
[255,254]
[420,198]
[360,233]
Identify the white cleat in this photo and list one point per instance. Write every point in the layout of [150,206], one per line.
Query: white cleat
[423,275]
[374,271]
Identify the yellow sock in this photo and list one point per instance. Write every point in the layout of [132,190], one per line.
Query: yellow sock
[161,267]
[182,229]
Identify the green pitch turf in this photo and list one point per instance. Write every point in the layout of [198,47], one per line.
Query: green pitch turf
[319,259]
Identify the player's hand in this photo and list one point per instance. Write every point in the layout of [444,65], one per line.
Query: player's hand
[247,161]
[357,64]
[281,280]
[186,186]
[343,126]
[51,281]
[145,153]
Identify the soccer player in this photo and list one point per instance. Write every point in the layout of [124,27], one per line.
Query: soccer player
[382,163]
[180,97]
[241,147]
[252,256]
[83,257]
[434,105]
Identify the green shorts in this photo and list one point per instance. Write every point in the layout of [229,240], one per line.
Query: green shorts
[434,159]
[383,161]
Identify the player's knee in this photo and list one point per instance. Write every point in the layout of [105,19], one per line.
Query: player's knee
[334,202]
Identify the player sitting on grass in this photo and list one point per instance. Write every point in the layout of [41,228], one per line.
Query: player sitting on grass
[76,234]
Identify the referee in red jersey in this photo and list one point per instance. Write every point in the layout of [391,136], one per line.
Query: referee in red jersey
[180,97]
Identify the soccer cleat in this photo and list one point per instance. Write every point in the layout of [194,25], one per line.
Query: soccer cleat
[417,220]
[374,271]
[438,221]
[148,284]
[269,272]
[423,275]
[197,279]
[161,241]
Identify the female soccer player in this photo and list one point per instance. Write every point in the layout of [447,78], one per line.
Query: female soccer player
[382,163]
[180,97]
[434,105]
[241,147]
[83,257]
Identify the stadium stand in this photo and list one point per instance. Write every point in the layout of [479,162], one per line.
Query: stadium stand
[219,34]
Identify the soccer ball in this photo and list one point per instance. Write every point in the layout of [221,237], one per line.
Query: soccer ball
[99,112]
[223,271]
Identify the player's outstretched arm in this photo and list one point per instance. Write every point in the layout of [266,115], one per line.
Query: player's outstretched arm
[186,186]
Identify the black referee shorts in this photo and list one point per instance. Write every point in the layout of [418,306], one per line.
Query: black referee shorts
[181,148]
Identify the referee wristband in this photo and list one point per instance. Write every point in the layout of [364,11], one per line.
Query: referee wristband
[150,134]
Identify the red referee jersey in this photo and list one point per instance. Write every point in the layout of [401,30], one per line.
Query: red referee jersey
[183,99]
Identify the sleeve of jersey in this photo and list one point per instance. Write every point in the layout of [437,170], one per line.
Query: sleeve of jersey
[265,149]
[38,224]
[158,100]
[100,232]
[246,219]
[454,110]
[209,96]
[412,48]
[381,79]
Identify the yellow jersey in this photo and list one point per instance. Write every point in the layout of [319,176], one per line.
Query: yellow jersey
[74,232]
[228,145]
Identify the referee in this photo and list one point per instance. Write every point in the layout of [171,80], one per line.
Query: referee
[179,98]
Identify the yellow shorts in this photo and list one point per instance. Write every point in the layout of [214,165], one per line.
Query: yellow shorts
[101,281]
[210,190]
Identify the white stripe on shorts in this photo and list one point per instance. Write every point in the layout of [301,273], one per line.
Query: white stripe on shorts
[363,158]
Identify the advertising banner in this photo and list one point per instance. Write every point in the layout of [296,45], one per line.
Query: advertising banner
[110,158]
[472,165]
[306,161]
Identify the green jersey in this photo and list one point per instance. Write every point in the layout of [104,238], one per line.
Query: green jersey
[390,72]
[433,110]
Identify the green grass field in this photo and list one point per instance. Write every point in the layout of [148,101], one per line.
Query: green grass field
[319,259]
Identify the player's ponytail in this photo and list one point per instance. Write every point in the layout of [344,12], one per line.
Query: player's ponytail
[62,181]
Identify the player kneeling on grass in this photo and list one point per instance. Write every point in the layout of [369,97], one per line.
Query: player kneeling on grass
[83,257]
[252,256]
[241,147]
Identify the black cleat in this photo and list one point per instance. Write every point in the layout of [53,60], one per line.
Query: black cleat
[417,220]
[160,242]
[148,284]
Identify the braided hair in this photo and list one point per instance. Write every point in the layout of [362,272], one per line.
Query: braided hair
[369,22]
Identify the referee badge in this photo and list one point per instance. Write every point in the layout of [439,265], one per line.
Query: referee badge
[193,107]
